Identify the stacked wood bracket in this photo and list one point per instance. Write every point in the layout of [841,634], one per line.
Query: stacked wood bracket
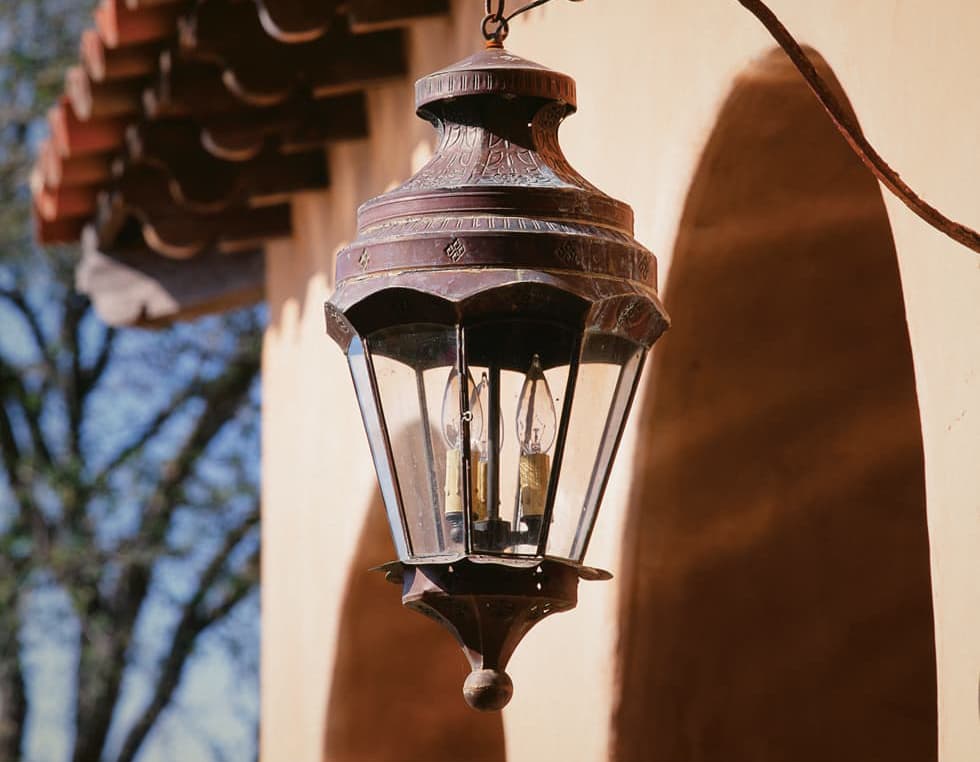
[187,125]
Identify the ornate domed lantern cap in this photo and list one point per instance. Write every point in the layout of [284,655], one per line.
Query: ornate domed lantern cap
[496,311]
[498,205]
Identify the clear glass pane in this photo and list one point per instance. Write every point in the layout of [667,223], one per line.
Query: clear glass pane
[607,377]
[413,366]
[520,371]
[377,441]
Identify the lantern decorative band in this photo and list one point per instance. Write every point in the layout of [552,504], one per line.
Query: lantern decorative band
[495,310]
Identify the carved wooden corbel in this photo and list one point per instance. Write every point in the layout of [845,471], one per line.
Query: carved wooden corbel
[262,71]
[132,285]
[298,124]
[295,21]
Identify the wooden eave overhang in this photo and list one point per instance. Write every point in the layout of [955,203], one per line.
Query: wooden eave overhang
[184,130]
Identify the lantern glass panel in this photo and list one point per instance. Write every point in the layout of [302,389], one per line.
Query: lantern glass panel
[415,371]
[607,376]
[521,373]
[361,375]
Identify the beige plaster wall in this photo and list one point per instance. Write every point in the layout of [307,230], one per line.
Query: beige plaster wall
[652,77]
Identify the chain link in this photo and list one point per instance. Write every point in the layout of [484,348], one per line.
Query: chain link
[502,20]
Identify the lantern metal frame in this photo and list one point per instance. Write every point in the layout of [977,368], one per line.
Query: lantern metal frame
[497,227]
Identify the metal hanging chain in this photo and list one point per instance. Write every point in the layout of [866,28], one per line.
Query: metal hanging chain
[845,124]
[502,20]
[848,127]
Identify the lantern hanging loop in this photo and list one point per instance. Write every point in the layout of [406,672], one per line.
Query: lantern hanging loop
[502,19]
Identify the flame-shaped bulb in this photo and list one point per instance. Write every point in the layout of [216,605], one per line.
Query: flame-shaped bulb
[537,423]
[452,432]
[451,424]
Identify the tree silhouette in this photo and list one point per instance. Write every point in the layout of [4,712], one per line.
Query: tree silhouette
[128,461]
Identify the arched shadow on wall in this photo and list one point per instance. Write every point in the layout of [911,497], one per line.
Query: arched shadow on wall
[397,683]
[777,601]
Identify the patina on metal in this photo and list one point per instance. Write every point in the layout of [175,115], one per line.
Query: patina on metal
[496,226]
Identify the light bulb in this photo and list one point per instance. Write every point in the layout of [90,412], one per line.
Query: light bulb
[482,393]
[452,433]
[536,428]
[451,428]
[536,419]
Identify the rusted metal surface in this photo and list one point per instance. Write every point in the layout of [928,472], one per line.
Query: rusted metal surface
[496,227]
[497,207]
[489,608]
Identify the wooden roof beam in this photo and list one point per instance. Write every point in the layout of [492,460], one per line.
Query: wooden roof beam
[120,26]
[372,15]
[71,136]
[184,88]
[353,62]
[179,234]
[103,64]
[263,71]
[71,171]
[61,202]
[298,124]
[230,231]
[135,286]
[101,100]
[295,21]
[57,231]
[200,182]
[134,5]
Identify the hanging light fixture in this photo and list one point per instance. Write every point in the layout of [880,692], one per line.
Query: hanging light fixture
[495,311]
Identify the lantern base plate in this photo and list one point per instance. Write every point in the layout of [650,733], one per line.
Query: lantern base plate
[489,607]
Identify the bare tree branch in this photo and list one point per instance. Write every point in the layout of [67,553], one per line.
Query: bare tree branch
[91,375]
[149,432]
[73,313]
[13,690]
[28,513]
[30,407]
[17,299]
[223,397]
[193,622]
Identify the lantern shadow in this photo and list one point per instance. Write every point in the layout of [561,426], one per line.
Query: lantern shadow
[776,593]
[396,690]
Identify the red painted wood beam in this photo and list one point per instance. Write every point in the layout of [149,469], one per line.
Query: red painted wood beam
[61,202]
[120,26]
[107,64]
[71,171]
[101,100]
[73,137]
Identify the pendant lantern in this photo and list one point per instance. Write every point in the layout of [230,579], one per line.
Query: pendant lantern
[495,310]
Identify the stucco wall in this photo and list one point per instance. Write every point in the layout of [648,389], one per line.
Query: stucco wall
[652,77]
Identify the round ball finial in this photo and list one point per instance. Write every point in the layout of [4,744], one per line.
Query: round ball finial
[488,690]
